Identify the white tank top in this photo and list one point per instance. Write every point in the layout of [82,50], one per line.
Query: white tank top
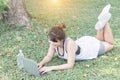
[64,56]
[89,48]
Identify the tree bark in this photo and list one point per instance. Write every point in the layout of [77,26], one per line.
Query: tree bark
[17,14]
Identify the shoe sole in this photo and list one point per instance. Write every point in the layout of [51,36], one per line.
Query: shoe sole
[101,23]
[104,11]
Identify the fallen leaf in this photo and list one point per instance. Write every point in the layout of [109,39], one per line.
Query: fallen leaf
[45,30]
[46,25]
[104,56]
[74,18]
[41,44]
[1,53]
[0,67]
[116,58]
[22,78]
[35,36]
[87,65]
[9,55]
[19,38]
[95,74]
[85,75]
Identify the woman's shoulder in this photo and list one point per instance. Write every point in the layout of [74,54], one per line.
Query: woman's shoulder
[71,46]
[70,41]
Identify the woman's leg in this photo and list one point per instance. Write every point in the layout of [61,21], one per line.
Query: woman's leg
[100,34]
[108,38]
[104,32]
[105,35]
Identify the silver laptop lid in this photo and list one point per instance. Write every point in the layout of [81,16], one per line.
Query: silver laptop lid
[31,66]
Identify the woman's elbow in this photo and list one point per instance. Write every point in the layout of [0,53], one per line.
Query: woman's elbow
[71,66]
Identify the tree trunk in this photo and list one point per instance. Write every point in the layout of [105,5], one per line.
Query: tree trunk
[17,14]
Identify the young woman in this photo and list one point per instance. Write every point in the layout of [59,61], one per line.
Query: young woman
[86,47]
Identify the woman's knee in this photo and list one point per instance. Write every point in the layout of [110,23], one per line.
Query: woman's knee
[111,46]
[108,47]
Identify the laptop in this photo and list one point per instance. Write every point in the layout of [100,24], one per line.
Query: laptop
[31,67]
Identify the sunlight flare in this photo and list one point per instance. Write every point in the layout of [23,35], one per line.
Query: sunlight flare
[0,67]
[54,1]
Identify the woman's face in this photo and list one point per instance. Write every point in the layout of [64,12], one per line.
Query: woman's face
[57,44]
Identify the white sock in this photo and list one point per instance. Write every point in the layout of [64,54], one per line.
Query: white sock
[102,21]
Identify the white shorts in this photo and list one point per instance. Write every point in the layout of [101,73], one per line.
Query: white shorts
[101,49]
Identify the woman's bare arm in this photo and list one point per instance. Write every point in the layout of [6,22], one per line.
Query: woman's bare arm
[71,49]
[49,56]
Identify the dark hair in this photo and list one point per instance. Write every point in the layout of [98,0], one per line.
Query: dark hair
[57,33]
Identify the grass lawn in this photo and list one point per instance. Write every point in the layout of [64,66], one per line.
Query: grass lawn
[80,17]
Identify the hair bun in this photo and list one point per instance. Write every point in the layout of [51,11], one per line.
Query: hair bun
[62,25]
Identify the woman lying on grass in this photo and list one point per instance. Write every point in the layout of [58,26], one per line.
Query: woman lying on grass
[86,47]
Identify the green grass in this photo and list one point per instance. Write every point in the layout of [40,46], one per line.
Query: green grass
[80,17]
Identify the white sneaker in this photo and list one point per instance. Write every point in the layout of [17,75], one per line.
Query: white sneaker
[102,21]
[104,11]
